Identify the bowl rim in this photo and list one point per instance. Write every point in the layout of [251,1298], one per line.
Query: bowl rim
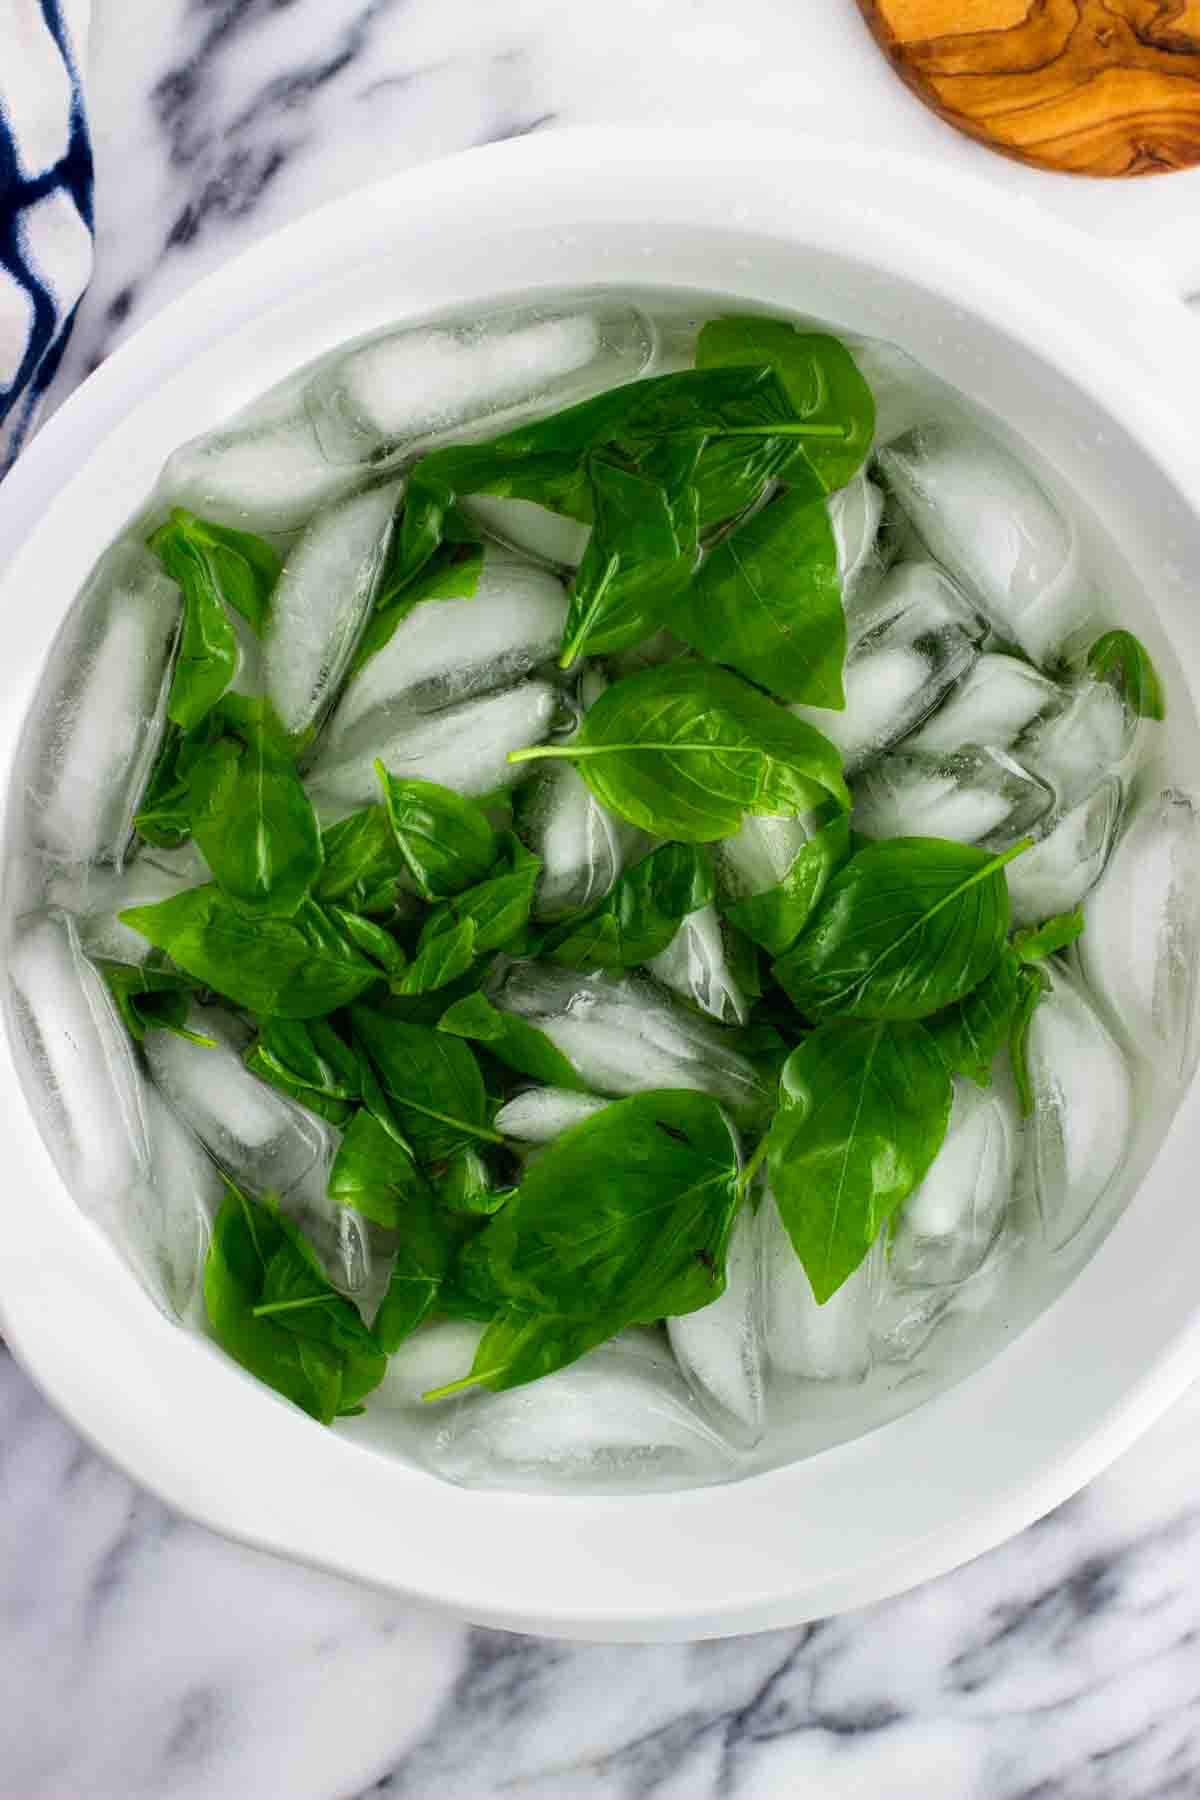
[599,1580]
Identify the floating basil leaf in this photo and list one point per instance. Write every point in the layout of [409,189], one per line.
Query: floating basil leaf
[251,816]
[863,1112]
[440,961]
[465,1185]
[685,750]
[520,1346]
[909,926]
[216,568]
[498,907]
[640,916]
[445,840]
[971,1034]
[150,999]
[768,601]
[307,1060]
[1031,985]
[450,571]
[427,1242]
[364,869]
[371,938]
[295,968]
[432,1080]
[272,1309]
[517,1043]
[776,917]
[1123,661]
[375,1175]
[1038,941]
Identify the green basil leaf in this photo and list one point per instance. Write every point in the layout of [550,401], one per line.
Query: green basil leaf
[515,1042]
[364,869]
[732,473]
[446,957]
[427,1242]
[445,839]
[370,937]
[307,1060]
[909,926]
[768,601]
[465,1185]
[375,1175]
[1038,941]
[971,1034]
[239,566]
[863,1112]
[432,1080]
[520,1346]
[498,907]
[684,750]
[216,569]
[165,814]
[149,999]
[295,968]
[1124,661]
[776,917]
[625,1218]
[255,824]
[820,377]
[642,549]
[640,915]
[417,571]
[1031,985]
[274,1312]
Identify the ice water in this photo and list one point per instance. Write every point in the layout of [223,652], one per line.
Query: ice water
[971,574]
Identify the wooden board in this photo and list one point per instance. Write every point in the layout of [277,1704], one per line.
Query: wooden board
[1094,87]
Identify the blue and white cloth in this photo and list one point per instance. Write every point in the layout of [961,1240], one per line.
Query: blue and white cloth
[45,201]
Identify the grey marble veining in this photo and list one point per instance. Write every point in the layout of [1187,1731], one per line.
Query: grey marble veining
[143,1659]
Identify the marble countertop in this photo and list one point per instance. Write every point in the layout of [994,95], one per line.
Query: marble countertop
[140,1657]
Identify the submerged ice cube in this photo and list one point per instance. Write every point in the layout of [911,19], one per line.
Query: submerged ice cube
[949,1224]
[94,727]
[855,512]
[622,1416]
[533,530]
[263,470]
[760,853]
[403,390]
[321,602]
[818,1343]
[104,893]
[694,965]
[908,648]
[1058,872]
[179,1203]
[541,1114]
[975,797]
[991,523]
[997,699]
[1082,1106]
[465,748]
[1142,928]
[1086,740]
[622,1034]
[719,1348]
[905,393]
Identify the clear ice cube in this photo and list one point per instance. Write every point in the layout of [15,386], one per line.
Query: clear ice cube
[991,523]
[905,393]
[760,853]
[321,602]
[622,1034]
[907,649]
[103,894]
[1060,870]
[975,797]
[621,1417]
[949,1224]
[694,965]
[465,748]
[997,699]
[1082,1106]
[1142,928]
[432,1357]
[1090,737]
[403,390]
[817,1343]
[96,720]
[179,1204]
[531,529]
[855,512]
[719,1348]
[262,471]
[541,1114]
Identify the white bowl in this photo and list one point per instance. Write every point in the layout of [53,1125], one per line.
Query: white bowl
[1023,315]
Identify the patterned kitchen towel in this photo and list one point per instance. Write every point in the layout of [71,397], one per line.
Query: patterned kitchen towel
[45,201]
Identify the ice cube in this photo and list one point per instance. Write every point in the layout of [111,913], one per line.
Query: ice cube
[465,748]
[341,1237]
[1082,1106]
[997,699]
[622,1034]
[541,1114]
[264,1141]
[105,893]
[820,1343]
[1088,739]
[533,530]
[447,651]
[760,853]
[719,1348]
[975,797]
[995,528]
[94,726]
[855,512]
[694,965]
[1142,928]
[949,1224]
[433,1357]
[78,1069]
[620,1417]
[321,602]
[908,648]
[263,471]
[905,393]
[1059,871]
[181,1199]
[403,390]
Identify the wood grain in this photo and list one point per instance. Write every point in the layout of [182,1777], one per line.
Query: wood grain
[1094,87]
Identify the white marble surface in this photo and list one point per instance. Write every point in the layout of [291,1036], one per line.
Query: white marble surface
[141,1657]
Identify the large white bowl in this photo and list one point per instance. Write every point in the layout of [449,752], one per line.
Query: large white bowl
[1013,308]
